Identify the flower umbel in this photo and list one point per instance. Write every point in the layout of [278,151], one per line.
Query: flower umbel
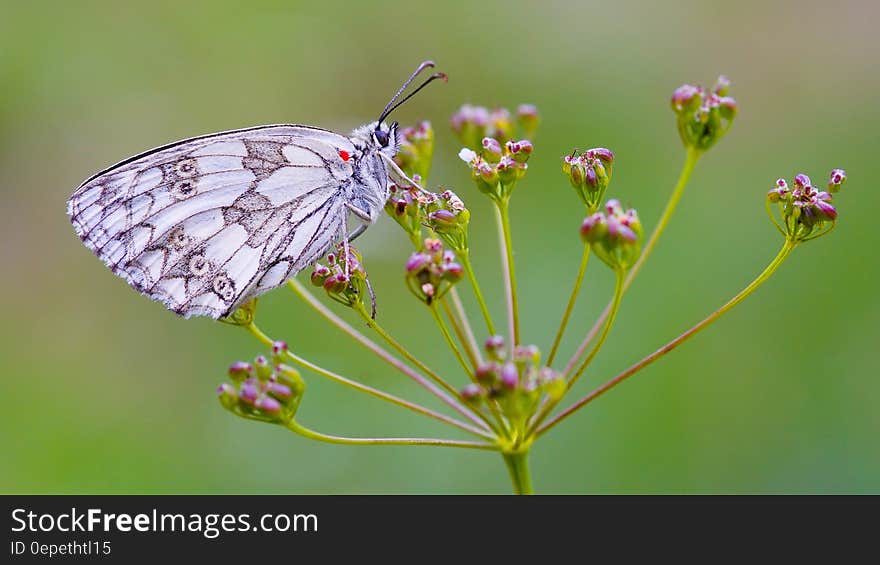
[263,391]
[704,115]
[805,211]
[432,272]
[510,392]
[589,174]
[615,235]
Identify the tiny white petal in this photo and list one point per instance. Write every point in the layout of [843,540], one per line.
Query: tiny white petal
[467,155]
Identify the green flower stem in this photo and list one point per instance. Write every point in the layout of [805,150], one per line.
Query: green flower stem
[256,332]
[465,324]
[293,426]
[463,256]
[424,368]
[502,213]
[438,319]
[615,306]
[570,306]
[691,158]
[518,467]
[787,248]
[467,346]
[372,346]
[609,322]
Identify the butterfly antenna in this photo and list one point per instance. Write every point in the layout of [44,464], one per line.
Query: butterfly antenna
[391,106]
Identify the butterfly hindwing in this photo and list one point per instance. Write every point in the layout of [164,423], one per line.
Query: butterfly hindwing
[204,224]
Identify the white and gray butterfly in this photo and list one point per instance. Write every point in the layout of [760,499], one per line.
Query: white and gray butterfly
[207,223]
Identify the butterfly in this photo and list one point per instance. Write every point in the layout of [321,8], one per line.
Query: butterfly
[205,224]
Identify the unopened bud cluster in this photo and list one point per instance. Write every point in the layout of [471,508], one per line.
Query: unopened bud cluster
[703,115]
[265,390]
[443,213]
[497,167]
[416,150]
[615,235]
[430,273]
[589,174]
[806,210]
[516,380]
[343,277]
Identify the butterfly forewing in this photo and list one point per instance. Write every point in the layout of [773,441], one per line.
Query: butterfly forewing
[204,224]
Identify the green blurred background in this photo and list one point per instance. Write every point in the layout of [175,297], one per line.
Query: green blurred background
[104,391]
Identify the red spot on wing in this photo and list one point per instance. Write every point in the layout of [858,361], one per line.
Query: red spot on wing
[343,154]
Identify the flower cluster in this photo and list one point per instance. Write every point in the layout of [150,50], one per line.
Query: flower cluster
[589,174]
[343,278]
[615,235]
[497,168]
[416,151]
[806,211]
[443,213]
[263,390]
[430,273]
[703,116]
[516,381]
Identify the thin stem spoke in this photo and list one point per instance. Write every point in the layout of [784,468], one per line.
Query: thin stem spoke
[464,259]
[570,306]
[459,333]
[315,435]
[465,324]
[503,216]
[453,347]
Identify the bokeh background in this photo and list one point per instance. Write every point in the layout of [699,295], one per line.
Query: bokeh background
[104,391]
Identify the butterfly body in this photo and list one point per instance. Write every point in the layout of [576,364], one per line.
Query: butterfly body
[205,224]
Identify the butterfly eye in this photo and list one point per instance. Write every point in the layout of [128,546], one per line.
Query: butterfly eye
[381,137]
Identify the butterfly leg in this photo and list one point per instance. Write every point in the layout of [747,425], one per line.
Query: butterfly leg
[396,174]
[372,298]
[347,238]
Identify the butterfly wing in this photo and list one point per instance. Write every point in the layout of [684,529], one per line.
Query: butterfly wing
[204,224]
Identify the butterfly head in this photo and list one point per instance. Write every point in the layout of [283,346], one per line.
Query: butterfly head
[380,137]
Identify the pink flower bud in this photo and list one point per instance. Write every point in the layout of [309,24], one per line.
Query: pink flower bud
[601,153]
[417,262]
[336,283]
[487,372]
[249,392]
[802,181]
[509,376]
[268,404]
[452,272]
[471,392]
[593,227]
[279,391]
[279,347]
[491,149]
[443,218]
[433,245]
[686,96]
[494,344]
[836,180]
[826,210]
[240,370]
